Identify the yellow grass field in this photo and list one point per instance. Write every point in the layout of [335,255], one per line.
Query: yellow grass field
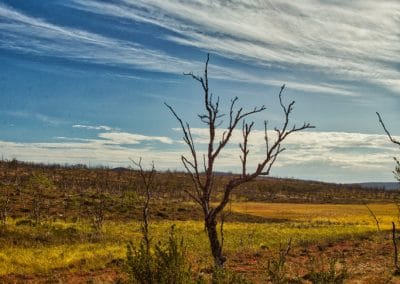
[304,223]
[346,214]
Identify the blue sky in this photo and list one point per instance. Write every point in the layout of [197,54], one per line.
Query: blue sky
[84,81]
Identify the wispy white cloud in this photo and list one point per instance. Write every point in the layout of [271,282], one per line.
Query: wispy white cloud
[35,115]
[356,41]
[37,36]
[117,137]
[91,127]
[130,138]
[27,34]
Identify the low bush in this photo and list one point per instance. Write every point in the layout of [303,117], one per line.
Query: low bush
[166,264]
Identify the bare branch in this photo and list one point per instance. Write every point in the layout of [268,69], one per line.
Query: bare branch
[197,78]
[195,198]
[273,150]
[387,131]
[266,136]
[233,121]
[246,129]
[194,176]
[188,138]
[203,81]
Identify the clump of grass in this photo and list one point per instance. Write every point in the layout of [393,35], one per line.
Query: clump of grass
[335,272]
[225,276]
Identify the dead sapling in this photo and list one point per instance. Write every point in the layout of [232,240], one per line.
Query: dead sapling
[276,267]
[373,216]
[148,182]
[99,206]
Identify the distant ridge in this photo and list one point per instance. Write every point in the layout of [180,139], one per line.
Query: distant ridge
[380,185]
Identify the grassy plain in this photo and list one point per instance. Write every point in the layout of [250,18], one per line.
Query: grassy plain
[344,214]
[73,248]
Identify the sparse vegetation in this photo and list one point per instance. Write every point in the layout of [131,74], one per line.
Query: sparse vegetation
[63,245]
[5,197]
[40,187]
[276,267]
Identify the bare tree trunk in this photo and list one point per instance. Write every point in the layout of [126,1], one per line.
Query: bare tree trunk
[148,184]
[145,225]
[215,244]
[395,253]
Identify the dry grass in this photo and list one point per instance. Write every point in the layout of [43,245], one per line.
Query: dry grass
[345,214]
[42,250]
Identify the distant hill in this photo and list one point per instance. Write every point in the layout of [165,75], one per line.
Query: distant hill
[380,185]
[81,181]
[120,169]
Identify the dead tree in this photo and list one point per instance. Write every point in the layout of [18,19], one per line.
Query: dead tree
[147,178]
[396,171]
[99,206]
[203,179]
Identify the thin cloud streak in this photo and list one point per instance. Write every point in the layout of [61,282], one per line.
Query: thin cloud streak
[37,116]
[351,41]
[36,36]
[121,138]
[91,127]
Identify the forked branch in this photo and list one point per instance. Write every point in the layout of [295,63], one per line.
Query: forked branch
[246,129]
[272,152]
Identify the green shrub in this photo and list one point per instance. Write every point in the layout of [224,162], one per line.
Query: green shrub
[140,264]
[167,265]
